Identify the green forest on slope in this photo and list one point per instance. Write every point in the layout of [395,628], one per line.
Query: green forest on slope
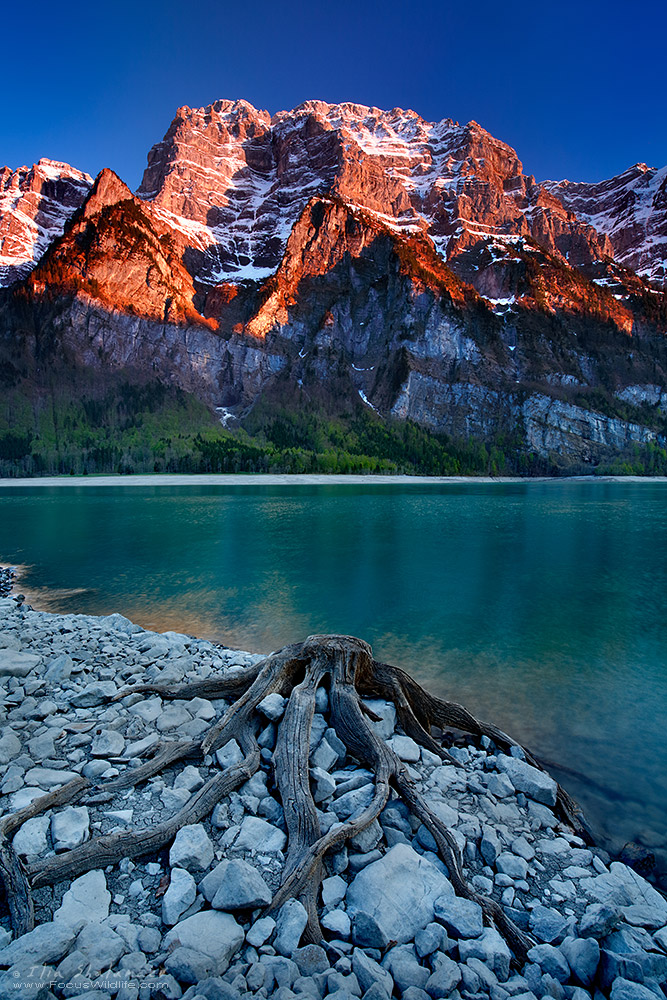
[156,428]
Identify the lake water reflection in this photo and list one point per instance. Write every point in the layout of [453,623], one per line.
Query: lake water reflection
[540,606]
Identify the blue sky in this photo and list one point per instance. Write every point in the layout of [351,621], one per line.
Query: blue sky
[577,88]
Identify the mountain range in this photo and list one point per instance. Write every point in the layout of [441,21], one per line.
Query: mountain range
[332,287]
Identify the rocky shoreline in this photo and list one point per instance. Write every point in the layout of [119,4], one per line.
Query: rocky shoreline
[189,920]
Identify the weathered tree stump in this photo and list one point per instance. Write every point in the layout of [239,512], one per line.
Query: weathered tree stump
[343,664]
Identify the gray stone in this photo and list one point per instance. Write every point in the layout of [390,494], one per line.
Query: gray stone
[412,993]
[368,839]
[624,989]
[33,981]
[192,849]
[489,846]
[10,747]
[521,847]
[406,971]
[311,959]
[149,939]
[229,755]
[48,777]
[534,783]
[387,714]
[445,979]
[178,897]
[273,706]
[258,835]
[290,925]
[46,943]
[369,973]
[510,864]
[405,749]
[333,890]
[324,756]
[547,924]
[499,785]
[212,933]
[338,922]
[86,901]
[598,920]
[351,803]
[623,887]
[491,949]
[583,957]
[174,799]
[30,839]
[188,965]
[462,918]
[70,828]
[172,717]
[261,931]
[430,939]
[323,784]
[101,946]
[108,743]
[94,694]
[240,887]
[551,961]
[398,893]
[60,669]
[16,664]
[367,933]
[41,747]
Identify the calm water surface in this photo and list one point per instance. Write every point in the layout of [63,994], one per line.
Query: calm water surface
[540,606]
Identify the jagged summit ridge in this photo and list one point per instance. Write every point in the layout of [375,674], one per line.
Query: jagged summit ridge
[230,181]
[233,181]
[35,204]
[632,209]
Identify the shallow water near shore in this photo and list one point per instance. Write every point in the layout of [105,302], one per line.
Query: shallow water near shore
[540,606]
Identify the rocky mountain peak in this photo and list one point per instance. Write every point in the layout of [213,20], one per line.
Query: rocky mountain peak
[35,204]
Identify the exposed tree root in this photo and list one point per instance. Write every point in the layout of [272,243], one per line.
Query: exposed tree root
[346,666]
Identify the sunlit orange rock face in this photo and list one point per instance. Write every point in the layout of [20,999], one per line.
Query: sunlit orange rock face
[340,252]
[117,253]
[35,205]
[234,181]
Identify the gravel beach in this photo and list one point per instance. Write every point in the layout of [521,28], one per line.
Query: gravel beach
[189,920]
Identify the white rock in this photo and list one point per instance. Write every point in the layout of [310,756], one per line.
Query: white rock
[192,849]
[179,896]
[397,893]
[258,835]
[86,901]
[527,779]
[273,706]
[16,664]
[405,748]
[31,838]
[108,743]
[48,777]
[69,828]
[229,755]
[211,932]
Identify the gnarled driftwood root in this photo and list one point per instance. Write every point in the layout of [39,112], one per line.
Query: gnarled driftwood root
[346,666]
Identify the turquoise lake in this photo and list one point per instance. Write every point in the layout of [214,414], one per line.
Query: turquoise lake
[540,606]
